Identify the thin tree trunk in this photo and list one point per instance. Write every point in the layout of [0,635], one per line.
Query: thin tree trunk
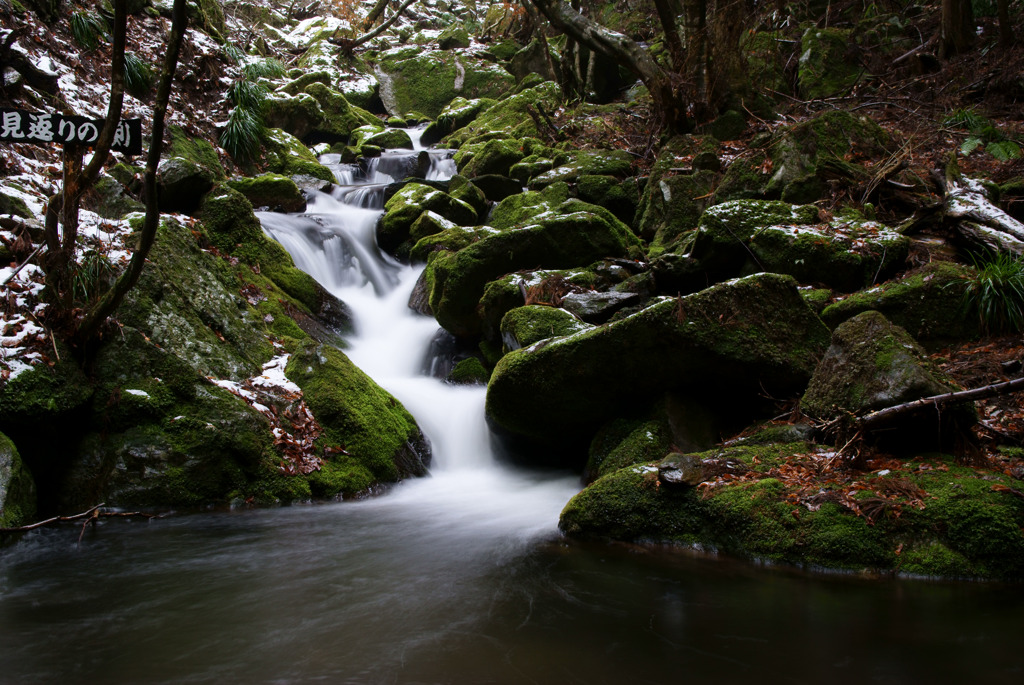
[1005,27]
[956,30]
[375,13]
[667,12]
[110,301]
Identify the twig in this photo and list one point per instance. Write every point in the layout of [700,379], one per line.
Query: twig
[23,264]
[55,519]
[869,421]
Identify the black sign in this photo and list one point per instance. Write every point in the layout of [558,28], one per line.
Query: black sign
[19,126]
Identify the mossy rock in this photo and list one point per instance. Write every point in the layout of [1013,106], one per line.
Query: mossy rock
[453,37]
[273,191]
[407,205]
[340,112]
[449,240]
[927,302]
[391,139]
[464,190]
[523,326]
[424,80]
[618,163]
[739,339]
[626,442]
[510,117]
[108,198]
[673,201]
[800,163]
[620,197]
[766,54]
[871,364]
[195,150]
[493,157]
[506,293]
[17,487]
[469,371]
[187,302]
[379,440]
[298,85]
[575,236]
[9,204]
[749,236]
[946,521]
[729,125]
[181,184]
[828,63]
[517,211]
[456,114]
[286,155]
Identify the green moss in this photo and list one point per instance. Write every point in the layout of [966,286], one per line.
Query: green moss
[195,150]
[17,487]
[523,326]
[824,67]
[277,192]
[9,204]
[357,415]
[469,371]
[627,442]
[286,155]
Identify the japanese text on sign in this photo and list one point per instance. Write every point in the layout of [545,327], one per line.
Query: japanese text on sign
[19,126]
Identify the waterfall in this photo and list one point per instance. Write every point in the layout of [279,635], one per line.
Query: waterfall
[334,241]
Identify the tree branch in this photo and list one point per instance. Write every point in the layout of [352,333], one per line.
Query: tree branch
[882,416]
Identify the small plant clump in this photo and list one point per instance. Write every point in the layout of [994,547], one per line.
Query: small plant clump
[982,133]
[244,129]
[996,293]
[89,29]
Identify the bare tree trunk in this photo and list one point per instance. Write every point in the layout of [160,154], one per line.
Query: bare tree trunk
[1005,27]
[956,30]
[349,45]
[374,14]
[883,416]
[110,301]
[667,12]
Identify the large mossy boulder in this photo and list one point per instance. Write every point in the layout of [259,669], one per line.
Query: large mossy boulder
[17,487]
[940,520]
[927,302]
[543,286]
[618,163]
[181,184]
[372,437]
[802,163]
[871,364]
[734,339]
[576,236]
[187,302]
[414,79]
[846,252]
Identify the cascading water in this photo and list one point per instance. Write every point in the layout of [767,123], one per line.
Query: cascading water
[334,242]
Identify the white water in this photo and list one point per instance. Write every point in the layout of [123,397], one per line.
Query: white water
[469,494]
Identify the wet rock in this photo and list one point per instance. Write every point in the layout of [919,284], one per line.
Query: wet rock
[17,487]
[523,326]
[181,185]
[272,191]
[496,187]
[598,307]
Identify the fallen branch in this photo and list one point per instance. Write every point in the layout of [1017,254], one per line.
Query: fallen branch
[882,416]
[90,515]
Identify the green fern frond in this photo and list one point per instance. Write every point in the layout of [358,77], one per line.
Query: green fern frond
[241,136]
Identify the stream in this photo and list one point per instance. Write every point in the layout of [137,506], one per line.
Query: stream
[460,577]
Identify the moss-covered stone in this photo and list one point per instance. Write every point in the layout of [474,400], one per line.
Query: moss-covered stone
[407,205]
[626,442]
[618,163]
[9,204]
[516,211]
[870,364]
[108,198]
[505,294]
[938,519]
[736,339]
[187,302]
[470,371]
[826,67]
[286,155]
[620,197]
[928,303]
[391,139]
[181,184]
[378,439]
[17,487]
[510,116]
[424,80]
[296,86]
[803,161]
[492,157]
[273,191]
[575,236]
[195,150]
[456,114]
[453,37]
[846,253]
[523,326]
